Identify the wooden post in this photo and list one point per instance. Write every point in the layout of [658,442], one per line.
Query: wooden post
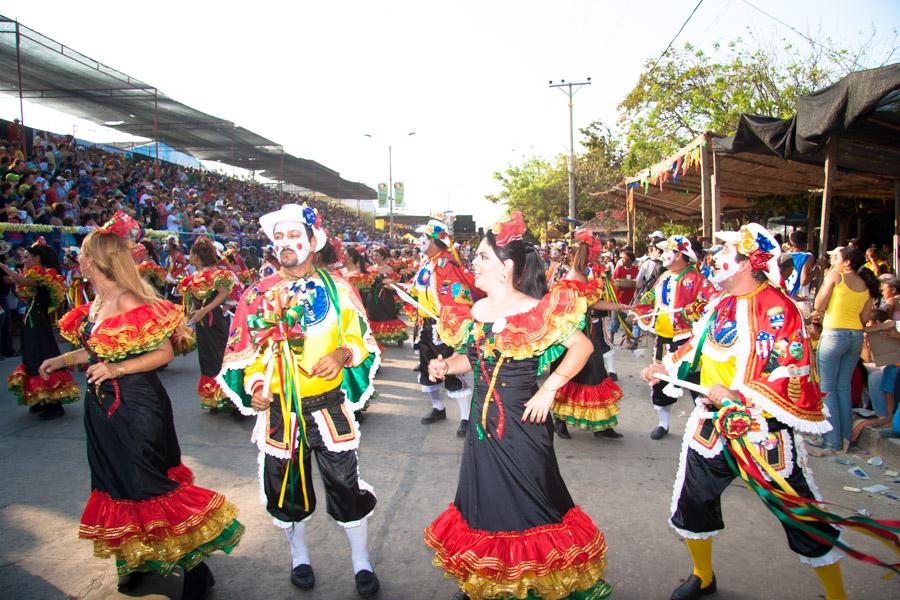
[810,223]
[896,251]
[705,176]
[629,214]
[716,199]
[830,168]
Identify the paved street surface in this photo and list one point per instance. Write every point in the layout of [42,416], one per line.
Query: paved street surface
[625,485]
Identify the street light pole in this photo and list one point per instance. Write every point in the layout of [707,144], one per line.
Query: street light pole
[569,89]
[390,183]
[391,192]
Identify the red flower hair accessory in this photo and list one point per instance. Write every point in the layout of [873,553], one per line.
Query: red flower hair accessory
[139,253]
[125,227]
[509,228]
[586,236]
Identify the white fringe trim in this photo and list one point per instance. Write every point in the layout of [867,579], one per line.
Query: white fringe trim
[682,461]
[325,432]
[829,558]
[288,524]
[689,430]
[363,485]
[793,421]
[693,535]
[236,365]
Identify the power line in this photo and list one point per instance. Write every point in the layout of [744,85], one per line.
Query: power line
[680,29]
[803,35]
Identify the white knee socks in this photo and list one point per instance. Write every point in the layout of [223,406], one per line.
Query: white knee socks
[359,552]
[436,401]
[609,361]
[296,536]
[464,406]
[663,412]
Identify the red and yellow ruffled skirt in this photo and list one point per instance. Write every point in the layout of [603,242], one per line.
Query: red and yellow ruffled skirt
[31,390]
[210,394]
[592,407]
[389,332]
[564,560]
[179,529]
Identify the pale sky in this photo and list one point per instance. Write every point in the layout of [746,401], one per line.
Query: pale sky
[470,78]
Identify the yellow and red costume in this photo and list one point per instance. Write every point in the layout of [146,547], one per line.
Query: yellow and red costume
[283,326]
[441,281]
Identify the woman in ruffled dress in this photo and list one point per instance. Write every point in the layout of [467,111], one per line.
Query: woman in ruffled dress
[382,304]
[202,294]
[42,286]
[143,510]
[513,530]
[589,400]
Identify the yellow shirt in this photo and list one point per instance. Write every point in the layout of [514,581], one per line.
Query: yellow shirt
[844,308]
[712,372]
[663,325]
[321,338]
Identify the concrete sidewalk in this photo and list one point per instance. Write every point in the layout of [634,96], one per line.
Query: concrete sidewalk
[625,485]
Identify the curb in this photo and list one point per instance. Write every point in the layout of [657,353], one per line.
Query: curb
[887,448]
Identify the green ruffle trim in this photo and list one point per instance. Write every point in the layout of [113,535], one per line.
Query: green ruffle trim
[598,591]
[546,358]
[589,425]
[225,542]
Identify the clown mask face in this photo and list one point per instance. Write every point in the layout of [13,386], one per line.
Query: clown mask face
[292,246]
[726,264]
[424,243]
[668,257]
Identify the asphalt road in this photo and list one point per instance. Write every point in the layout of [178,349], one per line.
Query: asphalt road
[625,485]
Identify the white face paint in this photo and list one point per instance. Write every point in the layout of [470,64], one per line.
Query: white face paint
[668,257]
[290,238]
[424,243]
[726,264]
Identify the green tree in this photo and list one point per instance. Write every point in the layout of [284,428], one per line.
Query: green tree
[690,91]
[540,188]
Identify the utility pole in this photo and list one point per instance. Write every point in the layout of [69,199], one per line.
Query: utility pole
[569,89]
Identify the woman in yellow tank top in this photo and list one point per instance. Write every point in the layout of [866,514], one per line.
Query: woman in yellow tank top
[846,299]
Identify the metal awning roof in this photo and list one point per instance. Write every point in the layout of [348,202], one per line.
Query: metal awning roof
[61,78]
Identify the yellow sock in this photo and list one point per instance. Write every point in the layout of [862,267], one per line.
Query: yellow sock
[701,554]
[832,582]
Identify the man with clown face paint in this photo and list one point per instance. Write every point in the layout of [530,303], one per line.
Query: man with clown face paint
[440,280]
[667,310]
[302,358]
[751,352]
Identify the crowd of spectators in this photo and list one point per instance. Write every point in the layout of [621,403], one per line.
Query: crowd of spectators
[64,182]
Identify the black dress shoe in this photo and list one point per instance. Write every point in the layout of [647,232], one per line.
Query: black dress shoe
[691,590]
[613,375]
[462,429]
[367,583]
[130,581]
[36,408]
[561,429]
[53,411]
[659,433]
[608,433]
[303,577]
[460,595]
[197,583]
[434,416]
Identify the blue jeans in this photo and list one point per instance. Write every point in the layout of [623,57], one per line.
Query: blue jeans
[614,325]
[839,351]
